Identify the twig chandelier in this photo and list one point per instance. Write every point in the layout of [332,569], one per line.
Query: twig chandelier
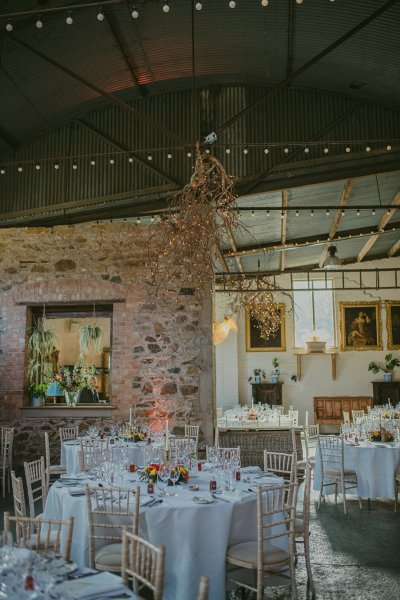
[182,246]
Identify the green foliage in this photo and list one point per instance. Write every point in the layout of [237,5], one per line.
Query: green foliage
[294,378]
[275,364]
[390,363]
[257,373]
[40,345]
[91,336]
[39,389]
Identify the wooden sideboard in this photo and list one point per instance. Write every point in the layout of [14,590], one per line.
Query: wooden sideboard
[385,391]
[267,393]
[328,410]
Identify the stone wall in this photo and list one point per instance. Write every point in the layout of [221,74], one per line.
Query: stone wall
[161,348]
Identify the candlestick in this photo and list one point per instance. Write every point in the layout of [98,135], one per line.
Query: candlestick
[130,415]
[166,440]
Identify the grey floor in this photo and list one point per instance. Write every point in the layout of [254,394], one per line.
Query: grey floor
[354,557]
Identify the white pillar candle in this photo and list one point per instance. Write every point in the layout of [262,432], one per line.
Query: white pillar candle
[130,415]
[167,440]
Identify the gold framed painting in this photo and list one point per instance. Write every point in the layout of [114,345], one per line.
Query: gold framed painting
[393,324]
[254,341]
[360,326]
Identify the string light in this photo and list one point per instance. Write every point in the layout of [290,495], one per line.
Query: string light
[37,166]
[326,150]
[149,157]
[327,212]
[93,162]
[135,13]
[388,147]
[112,161]
[343,212]
[100,15]
[297,213]
[189,154]
[20,169]
[373,212]
[232,3]
[227,150]
[130,159]
[39,22]
[253,213]
[56,166]
[312,213]
[286,150]
[138,221]
[306,150]
[266,151]
[348,149]
[69,20]
[166,6]
[169,155]
[358,212]
[245,151]
[9,25]
[2,171]
[74,166]
[368,149]
[199,5]
[264,2]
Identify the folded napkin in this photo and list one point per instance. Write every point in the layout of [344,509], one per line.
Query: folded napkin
[101,585]
[250,470]
[234,495]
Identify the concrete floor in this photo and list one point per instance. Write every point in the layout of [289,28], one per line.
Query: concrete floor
[354,557]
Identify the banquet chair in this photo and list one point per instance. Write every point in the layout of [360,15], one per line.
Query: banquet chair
[357,414]
[110,510]
[51,470]
[333,473]
[276,511]
[396,489]
[310,436]
[68,433]
[36,485]
[281,463]
[18,495]
[346,417]
[182,444]
[203,589]
[142,564]
[6,459]
[43,535]
[294,415]
[93,457]
[302,527]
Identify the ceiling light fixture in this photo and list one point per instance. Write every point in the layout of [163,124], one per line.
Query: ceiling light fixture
[264,2]
[69,20]
[232,3]
[39,22]
[135,13]
[166,6]
[9,25]
[100,15]
[2,171]
[332,261]
[198,5]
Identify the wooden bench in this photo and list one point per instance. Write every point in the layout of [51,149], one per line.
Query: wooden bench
[328,410]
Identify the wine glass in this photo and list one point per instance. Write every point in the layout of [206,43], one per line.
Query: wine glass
[175,475]
[163,476]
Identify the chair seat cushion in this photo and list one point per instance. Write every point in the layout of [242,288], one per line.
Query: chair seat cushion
[298,526]
[43,539]
[109,557]
[246,552]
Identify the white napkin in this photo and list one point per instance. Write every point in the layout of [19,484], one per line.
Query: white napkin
[250,469]
[234,495]
[96,586]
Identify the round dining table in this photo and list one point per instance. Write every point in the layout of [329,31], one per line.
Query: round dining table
[195,535]
[375,464]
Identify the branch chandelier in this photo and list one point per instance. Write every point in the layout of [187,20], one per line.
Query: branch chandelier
[136,9]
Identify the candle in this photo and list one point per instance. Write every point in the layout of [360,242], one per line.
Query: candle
[167,425]
[130,415]
[167,440]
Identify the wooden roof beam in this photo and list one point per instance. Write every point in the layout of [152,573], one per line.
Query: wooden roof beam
[381,226]
[394,249]
[332,232]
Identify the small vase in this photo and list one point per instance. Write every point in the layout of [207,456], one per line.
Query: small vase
[274,377]
[387,377]
[71,398]
[257,378]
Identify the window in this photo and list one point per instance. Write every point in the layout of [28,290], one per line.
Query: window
[313,311]
[66,321]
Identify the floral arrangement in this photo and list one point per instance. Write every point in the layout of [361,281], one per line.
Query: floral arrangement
[150,473]
[376,436]
[75,380]
[387,415]
[252,416]
[138,436]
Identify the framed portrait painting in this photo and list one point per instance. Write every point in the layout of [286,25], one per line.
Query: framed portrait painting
[360,326]
[254,341]
[393,324]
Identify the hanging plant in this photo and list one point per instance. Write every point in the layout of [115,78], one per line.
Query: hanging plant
[91,336]
[40,345]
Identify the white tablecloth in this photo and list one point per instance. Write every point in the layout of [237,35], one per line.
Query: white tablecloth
[195,536]
[70,453]
[374,465]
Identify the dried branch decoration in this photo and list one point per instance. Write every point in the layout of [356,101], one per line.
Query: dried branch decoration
[257,294]
[182,245]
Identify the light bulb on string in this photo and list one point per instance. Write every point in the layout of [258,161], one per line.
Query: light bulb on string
[149,157]
[358,212]
[56,166]
[69,20]
[93,162]
[198,5]
[266,151]
[37,166]
[348,149]
[232,3]
[227,150]
[169,155]
[245,151]
[189,154]
[326,150]
[19,169]
[166,6]
[368,149]
[2,171]
[100,15]
[130,159]
[306,150]
[388,147]
[297,213]
[135,13]
[9,25]
[112,161]
[264,2]
[39,22]
[373,212]
[286,150]
[74,166]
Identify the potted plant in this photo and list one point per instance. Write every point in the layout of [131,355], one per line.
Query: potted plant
[390,363]
[91,336]
[258,374]
[38,393]
[40,344]
[275,371]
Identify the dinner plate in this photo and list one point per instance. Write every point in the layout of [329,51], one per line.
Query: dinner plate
[202,500]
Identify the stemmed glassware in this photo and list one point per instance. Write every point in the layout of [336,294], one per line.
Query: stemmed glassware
[163,476]
[175,475]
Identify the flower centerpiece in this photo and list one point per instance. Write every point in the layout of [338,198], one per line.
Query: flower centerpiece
[150,473]
[72,381]
[381,436]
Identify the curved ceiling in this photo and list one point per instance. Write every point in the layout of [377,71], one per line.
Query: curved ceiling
[319,71]
[51,75]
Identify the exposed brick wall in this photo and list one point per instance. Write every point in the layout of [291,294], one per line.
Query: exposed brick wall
[161,349]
